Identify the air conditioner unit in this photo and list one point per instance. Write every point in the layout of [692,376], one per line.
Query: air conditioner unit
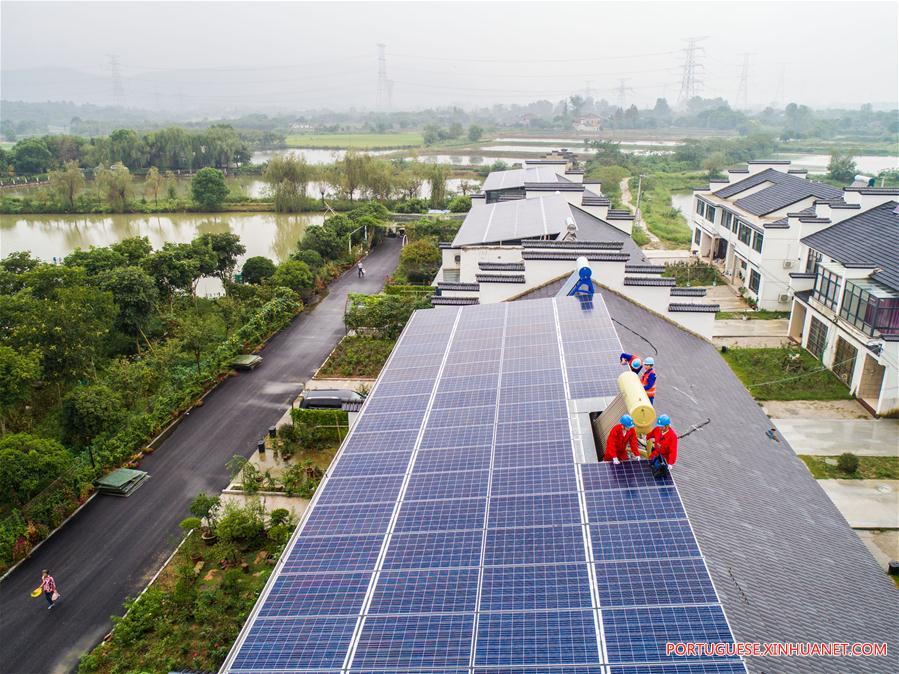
[789,264]
[783,298]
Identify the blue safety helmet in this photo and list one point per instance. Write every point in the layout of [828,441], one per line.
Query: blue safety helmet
[664,420]
[636,364]
[627,421]
[649,362]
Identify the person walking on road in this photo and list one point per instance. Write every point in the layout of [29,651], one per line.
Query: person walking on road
[622,436]
[360,270]
[48,585]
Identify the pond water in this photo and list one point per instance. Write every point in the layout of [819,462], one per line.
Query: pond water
[869,165]
[273,235]
[683,203]
[467,160]
[311,155]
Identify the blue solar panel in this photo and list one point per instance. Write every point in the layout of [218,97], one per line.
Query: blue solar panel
[458,484]
[405,565]
[519,588]
[333,553]
[314,594]
[659,582]
[534,480]
[640,634]
[282,644]
[564,637]
[445,515]
[629,474]
[396,642]
[372,463]
[643,540]
[434,550]
[537,510]
[615,505]
[535,545]
[430,591]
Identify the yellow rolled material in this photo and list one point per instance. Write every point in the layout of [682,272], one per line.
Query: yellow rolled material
[637,402]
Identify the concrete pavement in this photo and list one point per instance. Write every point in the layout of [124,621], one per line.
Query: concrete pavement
[112,547]
[866,504]
[831,437]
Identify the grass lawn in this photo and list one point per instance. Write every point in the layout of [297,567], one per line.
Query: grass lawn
[761,315]
[356,141]
[794,373]
[663,220]
[357,357]
[869,468]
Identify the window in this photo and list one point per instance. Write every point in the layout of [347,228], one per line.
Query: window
[700,206]
[726,219]
[812,262]
[755,280]
[710,213]
[697,236]
[735,225]
[745,234]
[866,311]
[827,285]
[757,241]
[817,338]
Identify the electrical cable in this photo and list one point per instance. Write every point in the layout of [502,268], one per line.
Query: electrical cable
[655,351]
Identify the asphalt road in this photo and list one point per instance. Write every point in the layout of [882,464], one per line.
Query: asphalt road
[111,549]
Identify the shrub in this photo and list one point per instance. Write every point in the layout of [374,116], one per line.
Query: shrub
[313,429]
[27,465]
[240,523]
[460,204]
[301,479]
[257,269]
[190,523]
[847,462]
[208,188]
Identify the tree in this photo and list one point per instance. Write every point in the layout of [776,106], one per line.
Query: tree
[437,175]
[66,184]
[310,257]
[115,184]
[90,411]
[474,133]
[455,130]
[153,184]
[257,269]
[841,167]
[419,261]
[431,134]
[460,204]
[18,373]
[134,293]
[208,189]
[224,248]
[714,163]
[197,332]
[134,249]
[19,262]
[27,465]
[173,267]
[31,156]
[293,274]
[288,177]
[324,241]
[95,261]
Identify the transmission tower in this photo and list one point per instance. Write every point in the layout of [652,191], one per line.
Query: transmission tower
[588,89]
[115,72]
[385,86]
[743,88]
[691,81]
[623,90]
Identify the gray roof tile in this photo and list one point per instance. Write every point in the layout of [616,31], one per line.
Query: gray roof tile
[870,238]
[785,189]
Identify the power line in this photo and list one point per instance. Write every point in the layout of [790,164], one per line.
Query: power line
[419,57]
[385,86]
[691,80]
[623,90]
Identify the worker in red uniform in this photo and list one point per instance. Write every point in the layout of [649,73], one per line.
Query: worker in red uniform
[622,436]
[648,379]
[635,363]
[664,440]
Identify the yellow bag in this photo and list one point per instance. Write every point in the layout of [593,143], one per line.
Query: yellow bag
[36,592]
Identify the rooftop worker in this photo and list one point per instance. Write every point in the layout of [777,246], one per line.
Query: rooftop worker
[632,360]
[664,440]
[648,379]
[622,436]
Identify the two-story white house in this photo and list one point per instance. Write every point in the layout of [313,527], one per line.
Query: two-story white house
[750,225]
[846,299]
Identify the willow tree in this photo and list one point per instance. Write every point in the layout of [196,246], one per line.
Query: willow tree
[288,176]
[66,184]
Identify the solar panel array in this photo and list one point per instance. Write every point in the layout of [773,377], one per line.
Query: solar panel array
[455,532]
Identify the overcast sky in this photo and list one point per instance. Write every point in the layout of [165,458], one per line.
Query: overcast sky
[268,55]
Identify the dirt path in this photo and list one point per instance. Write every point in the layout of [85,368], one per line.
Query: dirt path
[654,241]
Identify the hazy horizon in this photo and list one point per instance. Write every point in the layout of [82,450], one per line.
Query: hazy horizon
[242,57]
